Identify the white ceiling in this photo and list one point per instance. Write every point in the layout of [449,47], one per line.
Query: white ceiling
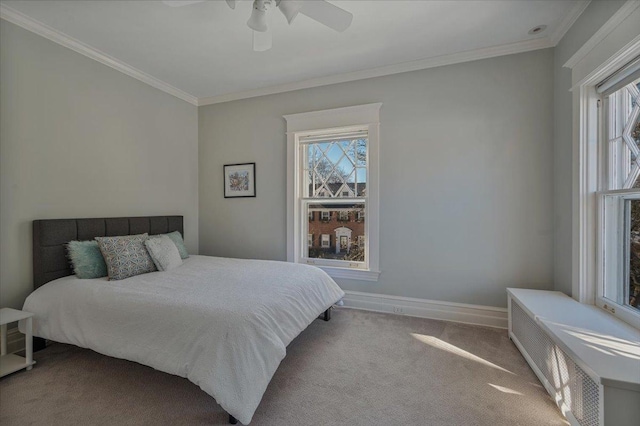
[206,51]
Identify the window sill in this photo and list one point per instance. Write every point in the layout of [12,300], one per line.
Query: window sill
[351,274]
[624,313]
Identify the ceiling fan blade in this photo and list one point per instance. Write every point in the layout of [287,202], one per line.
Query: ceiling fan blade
[178,3]
[327,14]
[261,41]
[290,8]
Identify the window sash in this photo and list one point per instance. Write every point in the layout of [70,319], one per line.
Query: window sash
[614,287]
[621,171]
[350,264]
[618,177]
[323,191]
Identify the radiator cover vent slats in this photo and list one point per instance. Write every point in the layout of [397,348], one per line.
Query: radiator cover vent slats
[571,386]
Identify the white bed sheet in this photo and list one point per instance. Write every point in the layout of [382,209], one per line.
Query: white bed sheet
[224,324]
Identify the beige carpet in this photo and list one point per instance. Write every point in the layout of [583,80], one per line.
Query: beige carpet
[361,368]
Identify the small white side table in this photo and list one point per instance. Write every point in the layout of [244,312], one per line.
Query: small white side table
[10,362]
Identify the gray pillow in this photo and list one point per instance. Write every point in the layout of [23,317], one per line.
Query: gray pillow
[163,252]
[126,256]
[86,259]
[176,237]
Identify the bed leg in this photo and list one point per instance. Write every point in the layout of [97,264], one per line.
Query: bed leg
[327,315]
[39,344]
[232,420]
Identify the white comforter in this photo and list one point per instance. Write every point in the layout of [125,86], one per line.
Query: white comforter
[224,324]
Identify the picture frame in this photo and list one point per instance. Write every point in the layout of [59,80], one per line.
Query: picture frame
[240,180]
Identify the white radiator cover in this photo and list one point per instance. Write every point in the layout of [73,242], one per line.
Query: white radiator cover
[578,395]
[586,358]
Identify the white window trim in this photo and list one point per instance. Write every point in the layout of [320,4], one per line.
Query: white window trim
[326,120]
[588,269]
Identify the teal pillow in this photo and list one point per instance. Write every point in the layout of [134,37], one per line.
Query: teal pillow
[86,259]
[176,237]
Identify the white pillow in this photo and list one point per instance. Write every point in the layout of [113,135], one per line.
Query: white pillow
[163,252]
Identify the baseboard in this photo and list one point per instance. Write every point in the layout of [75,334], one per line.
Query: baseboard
[15,340]
[457,312]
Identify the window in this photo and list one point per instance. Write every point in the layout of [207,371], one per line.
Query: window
[310,215]
[333,169]
[310,240]
[619,163]
[330,162]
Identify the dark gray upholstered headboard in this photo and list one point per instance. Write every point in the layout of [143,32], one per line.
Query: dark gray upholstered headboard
[50,237]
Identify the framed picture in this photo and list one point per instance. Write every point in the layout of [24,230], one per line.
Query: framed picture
[240,180]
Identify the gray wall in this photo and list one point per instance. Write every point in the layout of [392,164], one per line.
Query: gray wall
[79,139]
[596,14]
[466,177]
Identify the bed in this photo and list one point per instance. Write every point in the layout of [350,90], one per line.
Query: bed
[224,324]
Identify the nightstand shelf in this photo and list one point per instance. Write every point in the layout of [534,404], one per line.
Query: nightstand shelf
[10,363]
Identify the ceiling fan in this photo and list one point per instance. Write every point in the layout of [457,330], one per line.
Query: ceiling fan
[322,11]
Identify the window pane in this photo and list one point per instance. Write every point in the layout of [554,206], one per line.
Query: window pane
[341,228]
[336,169]
[632,293]
[614,247]
[623,130]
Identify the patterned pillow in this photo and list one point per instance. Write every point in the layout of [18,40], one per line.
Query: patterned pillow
[126,256]
[164,252]
[86,259]
[176,237]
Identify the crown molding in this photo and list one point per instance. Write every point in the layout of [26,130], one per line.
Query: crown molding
[568,21]
[436,61]
[623,13]
[35,26]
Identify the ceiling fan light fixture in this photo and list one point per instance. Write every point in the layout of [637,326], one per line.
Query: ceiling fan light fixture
[258,19]
[290,8]
[261,41]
